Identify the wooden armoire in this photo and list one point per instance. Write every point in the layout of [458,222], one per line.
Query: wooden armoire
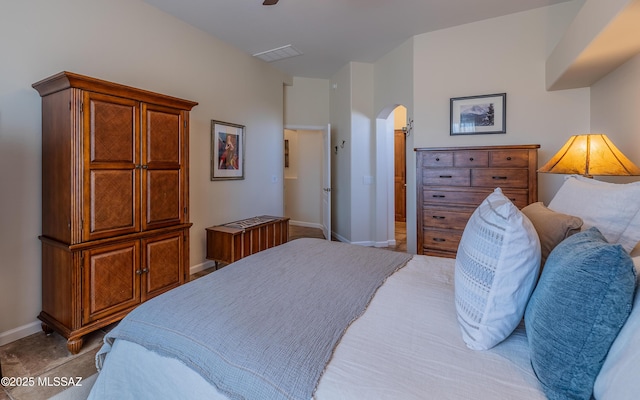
[115,201]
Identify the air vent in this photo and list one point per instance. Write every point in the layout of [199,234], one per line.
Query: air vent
[278,53]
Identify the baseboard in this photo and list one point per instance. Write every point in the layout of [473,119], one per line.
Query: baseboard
[342,239]
[20,332]
[306,224]
[367,243]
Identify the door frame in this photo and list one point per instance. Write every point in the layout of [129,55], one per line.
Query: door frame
[326,161]
[385,199]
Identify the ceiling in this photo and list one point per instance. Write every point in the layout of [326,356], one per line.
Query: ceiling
[331,33]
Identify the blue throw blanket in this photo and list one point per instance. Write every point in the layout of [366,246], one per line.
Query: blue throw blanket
[266,326]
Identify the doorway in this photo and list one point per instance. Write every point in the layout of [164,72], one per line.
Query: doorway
[400,177]
[307,195]
[400,188]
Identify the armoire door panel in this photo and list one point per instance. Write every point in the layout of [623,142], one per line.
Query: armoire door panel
[162,202]
[162,130]
[113,129]
[162,261]
[113,203]
[111,166]
[110,282]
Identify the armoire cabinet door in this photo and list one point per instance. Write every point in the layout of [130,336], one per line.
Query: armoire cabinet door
[111,164]
[111,280]
[163,159]
[162,262]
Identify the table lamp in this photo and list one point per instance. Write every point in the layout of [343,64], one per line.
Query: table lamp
[589,155]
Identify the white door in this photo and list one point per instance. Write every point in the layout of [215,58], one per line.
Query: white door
[326,183]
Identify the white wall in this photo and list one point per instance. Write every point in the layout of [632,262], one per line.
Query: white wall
[340,106]
[362,148]
[129,42]
[505,54]
[306,103]
[393,86]
[393,79]
[615,101]
[353,154]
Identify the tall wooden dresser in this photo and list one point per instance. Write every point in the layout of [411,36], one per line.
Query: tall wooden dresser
[115,216]
[453,181]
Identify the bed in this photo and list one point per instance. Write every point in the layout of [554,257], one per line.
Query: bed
[231,335]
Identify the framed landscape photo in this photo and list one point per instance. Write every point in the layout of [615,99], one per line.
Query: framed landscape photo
[227,151]
[482,114]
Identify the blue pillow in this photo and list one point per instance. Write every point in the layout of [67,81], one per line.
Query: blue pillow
[582,299]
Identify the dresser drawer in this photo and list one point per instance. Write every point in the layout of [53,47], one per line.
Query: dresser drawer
[447,197]
[440,240]
[437,159]
[519,197]
[500,177]
[471,159]
[446,176]
[434,217]
[509,158]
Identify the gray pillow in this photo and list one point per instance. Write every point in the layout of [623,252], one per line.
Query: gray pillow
[582,299]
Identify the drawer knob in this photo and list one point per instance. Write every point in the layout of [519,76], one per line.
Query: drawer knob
[470,158]
[439,240]
[446,176]
[437,158]
[508,158]
[499,177]
[438,196]
[437,217]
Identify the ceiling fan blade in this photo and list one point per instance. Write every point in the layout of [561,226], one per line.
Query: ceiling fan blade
[270,2]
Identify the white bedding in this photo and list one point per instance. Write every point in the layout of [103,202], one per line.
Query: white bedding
[407,345]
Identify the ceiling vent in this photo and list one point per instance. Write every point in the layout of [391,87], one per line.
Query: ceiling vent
[278,53]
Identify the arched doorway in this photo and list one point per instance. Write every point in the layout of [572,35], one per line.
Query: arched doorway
[392,131]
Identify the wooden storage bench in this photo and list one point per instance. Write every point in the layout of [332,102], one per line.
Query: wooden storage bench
[234,240]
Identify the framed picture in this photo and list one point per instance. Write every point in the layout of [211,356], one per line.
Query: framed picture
[475,115]
[227,151]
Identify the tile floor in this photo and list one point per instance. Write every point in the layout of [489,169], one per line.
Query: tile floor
[43,357]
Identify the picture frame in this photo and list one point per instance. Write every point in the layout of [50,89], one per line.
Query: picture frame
[474,115]
[227,150]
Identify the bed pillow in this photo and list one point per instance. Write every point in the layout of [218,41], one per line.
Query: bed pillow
[552,227]
[496,269]
[582,299]
[618,378]
[611,207]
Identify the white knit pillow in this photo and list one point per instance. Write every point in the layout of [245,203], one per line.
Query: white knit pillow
[614,208]
[496,270]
